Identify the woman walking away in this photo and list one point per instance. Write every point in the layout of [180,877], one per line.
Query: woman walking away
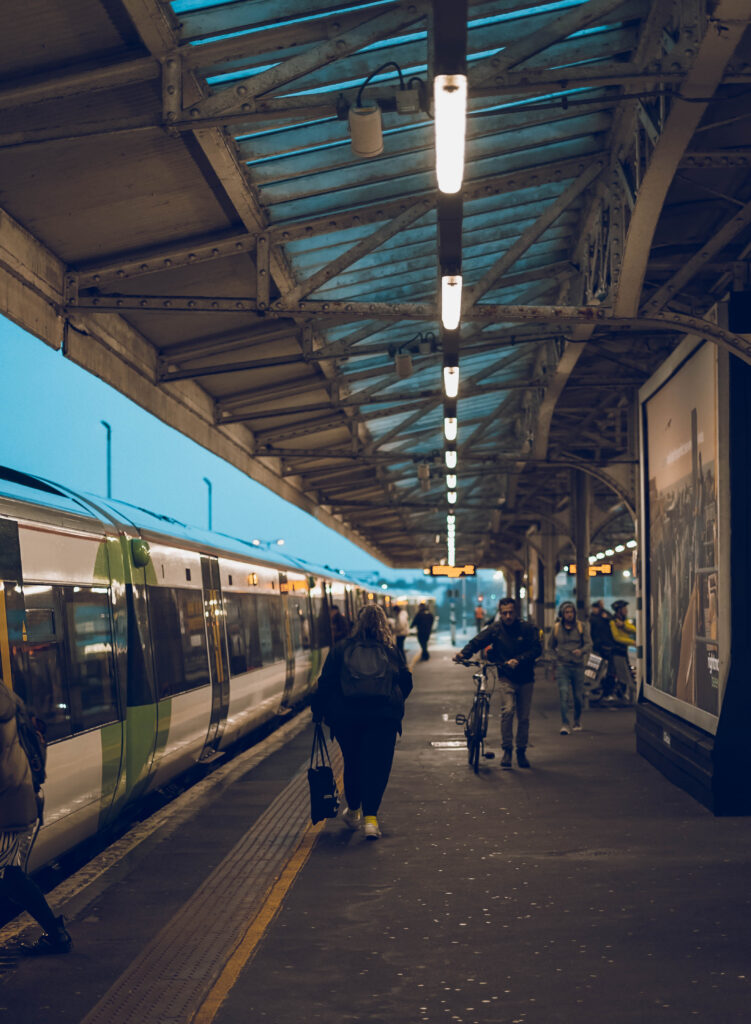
[361,693]
[18,815]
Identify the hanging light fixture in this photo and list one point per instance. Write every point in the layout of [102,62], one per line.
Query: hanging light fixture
[451,481]
[451,381]
[450,457]
[450,427]
[450,91]
[450,105]
[451,497]
[451,301]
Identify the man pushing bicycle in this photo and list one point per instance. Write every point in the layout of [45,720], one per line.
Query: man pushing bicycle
[513,647]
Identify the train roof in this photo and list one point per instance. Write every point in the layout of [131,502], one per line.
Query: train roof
[17,485]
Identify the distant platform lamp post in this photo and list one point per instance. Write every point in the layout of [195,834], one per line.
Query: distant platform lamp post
[208,485]
[108,428]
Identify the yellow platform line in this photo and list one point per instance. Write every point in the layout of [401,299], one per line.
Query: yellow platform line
[258,926]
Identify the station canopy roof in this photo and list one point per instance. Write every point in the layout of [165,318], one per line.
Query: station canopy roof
[183,212]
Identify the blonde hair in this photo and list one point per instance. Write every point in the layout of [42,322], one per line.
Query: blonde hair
[372,624]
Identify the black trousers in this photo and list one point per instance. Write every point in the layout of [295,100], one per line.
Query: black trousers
[368,752]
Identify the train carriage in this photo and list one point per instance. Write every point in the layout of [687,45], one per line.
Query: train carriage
[145,646]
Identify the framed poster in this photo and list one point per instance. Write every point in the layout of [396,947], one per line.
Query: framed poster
[681,502]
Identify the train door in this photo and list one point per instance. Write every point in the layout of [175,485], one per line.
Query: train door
[11,598]
[289,650]
[216,638]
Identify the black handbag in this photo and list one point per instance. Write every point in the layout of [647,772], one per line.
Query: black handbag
[324,799]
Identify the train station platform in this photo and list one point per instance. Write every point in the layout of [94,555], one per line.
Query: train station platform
[586,888]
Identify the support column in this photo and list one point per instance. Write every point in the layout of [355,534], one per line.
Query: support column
[580,489]
[549,550]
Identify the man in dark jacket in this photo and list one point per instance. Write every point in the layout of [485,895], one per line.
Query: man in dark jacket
[423,623]
[514,646]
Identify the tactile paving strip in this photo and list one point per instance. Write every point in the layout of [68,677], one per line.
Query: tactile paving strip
[170,978]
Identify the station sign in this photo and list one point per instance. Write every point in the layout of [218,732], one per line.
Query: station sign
[452,571]
[292,586]
[605,569]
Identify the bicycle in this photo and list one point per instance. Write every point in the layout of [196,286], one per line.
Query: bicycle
[476,722]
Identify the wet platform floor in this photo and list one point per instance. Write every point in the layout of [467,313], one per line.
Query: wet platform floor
[586,888]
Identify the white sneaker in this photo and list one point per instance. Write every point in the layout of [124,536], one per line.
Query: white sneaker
[352,819]
[565,730]
[371,829]
[577,728]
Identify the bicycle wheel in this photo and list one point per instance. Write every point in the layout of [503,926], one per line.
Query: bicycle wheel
[484,713]
[474,738]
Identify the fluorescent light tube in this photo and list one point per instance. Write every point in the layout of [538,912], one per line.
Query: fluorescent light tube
[450,105]
[451,301]
[451,381]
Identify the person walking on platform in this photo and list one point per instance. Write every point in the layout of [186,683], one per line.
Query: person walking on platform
[340,626]
[401,630]
[623,634]
[514,646]
[599,626]
[423,623]
[361,693]
[18,816]
[571,644]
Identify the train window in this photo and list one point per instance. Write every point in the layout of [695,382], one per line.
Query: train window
[322,621]
[40,624]
[165,631]
[270,628]
[91,677]
[179,636]
[299,623]
[241,612]
[40,665]
[276,617]
[193,632]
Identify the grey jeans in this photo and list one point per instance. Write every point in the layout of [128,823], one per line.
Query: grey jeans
[517,699]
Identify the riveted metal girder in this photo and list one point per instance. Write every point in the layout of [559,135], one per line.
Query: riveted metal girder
[711,247]
[331,270]
[548,217]
[714,53]
[239,97]
[556,29]
[201,250]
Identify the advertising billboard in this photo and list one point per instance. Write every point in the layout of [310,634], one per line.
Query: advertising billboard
[680,531]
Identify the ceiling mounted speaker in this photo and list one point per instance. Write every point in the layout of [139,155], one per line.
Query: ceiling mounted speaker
[403,364]
[366,130]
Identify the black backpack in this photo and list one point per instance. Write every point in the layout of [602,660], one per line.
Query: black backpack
[367,670]
[33,743]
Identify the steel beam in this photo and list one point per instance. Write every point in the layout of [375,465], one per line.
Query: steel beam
[240,95]
[556,29]
[715,51]
[740,219]
[76,83]
[491,278]
[362,248]
[191,250]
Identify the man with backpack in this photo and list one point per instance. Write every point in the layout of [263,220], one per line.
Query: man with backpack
[361,693]
[20,808]
[571,644]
